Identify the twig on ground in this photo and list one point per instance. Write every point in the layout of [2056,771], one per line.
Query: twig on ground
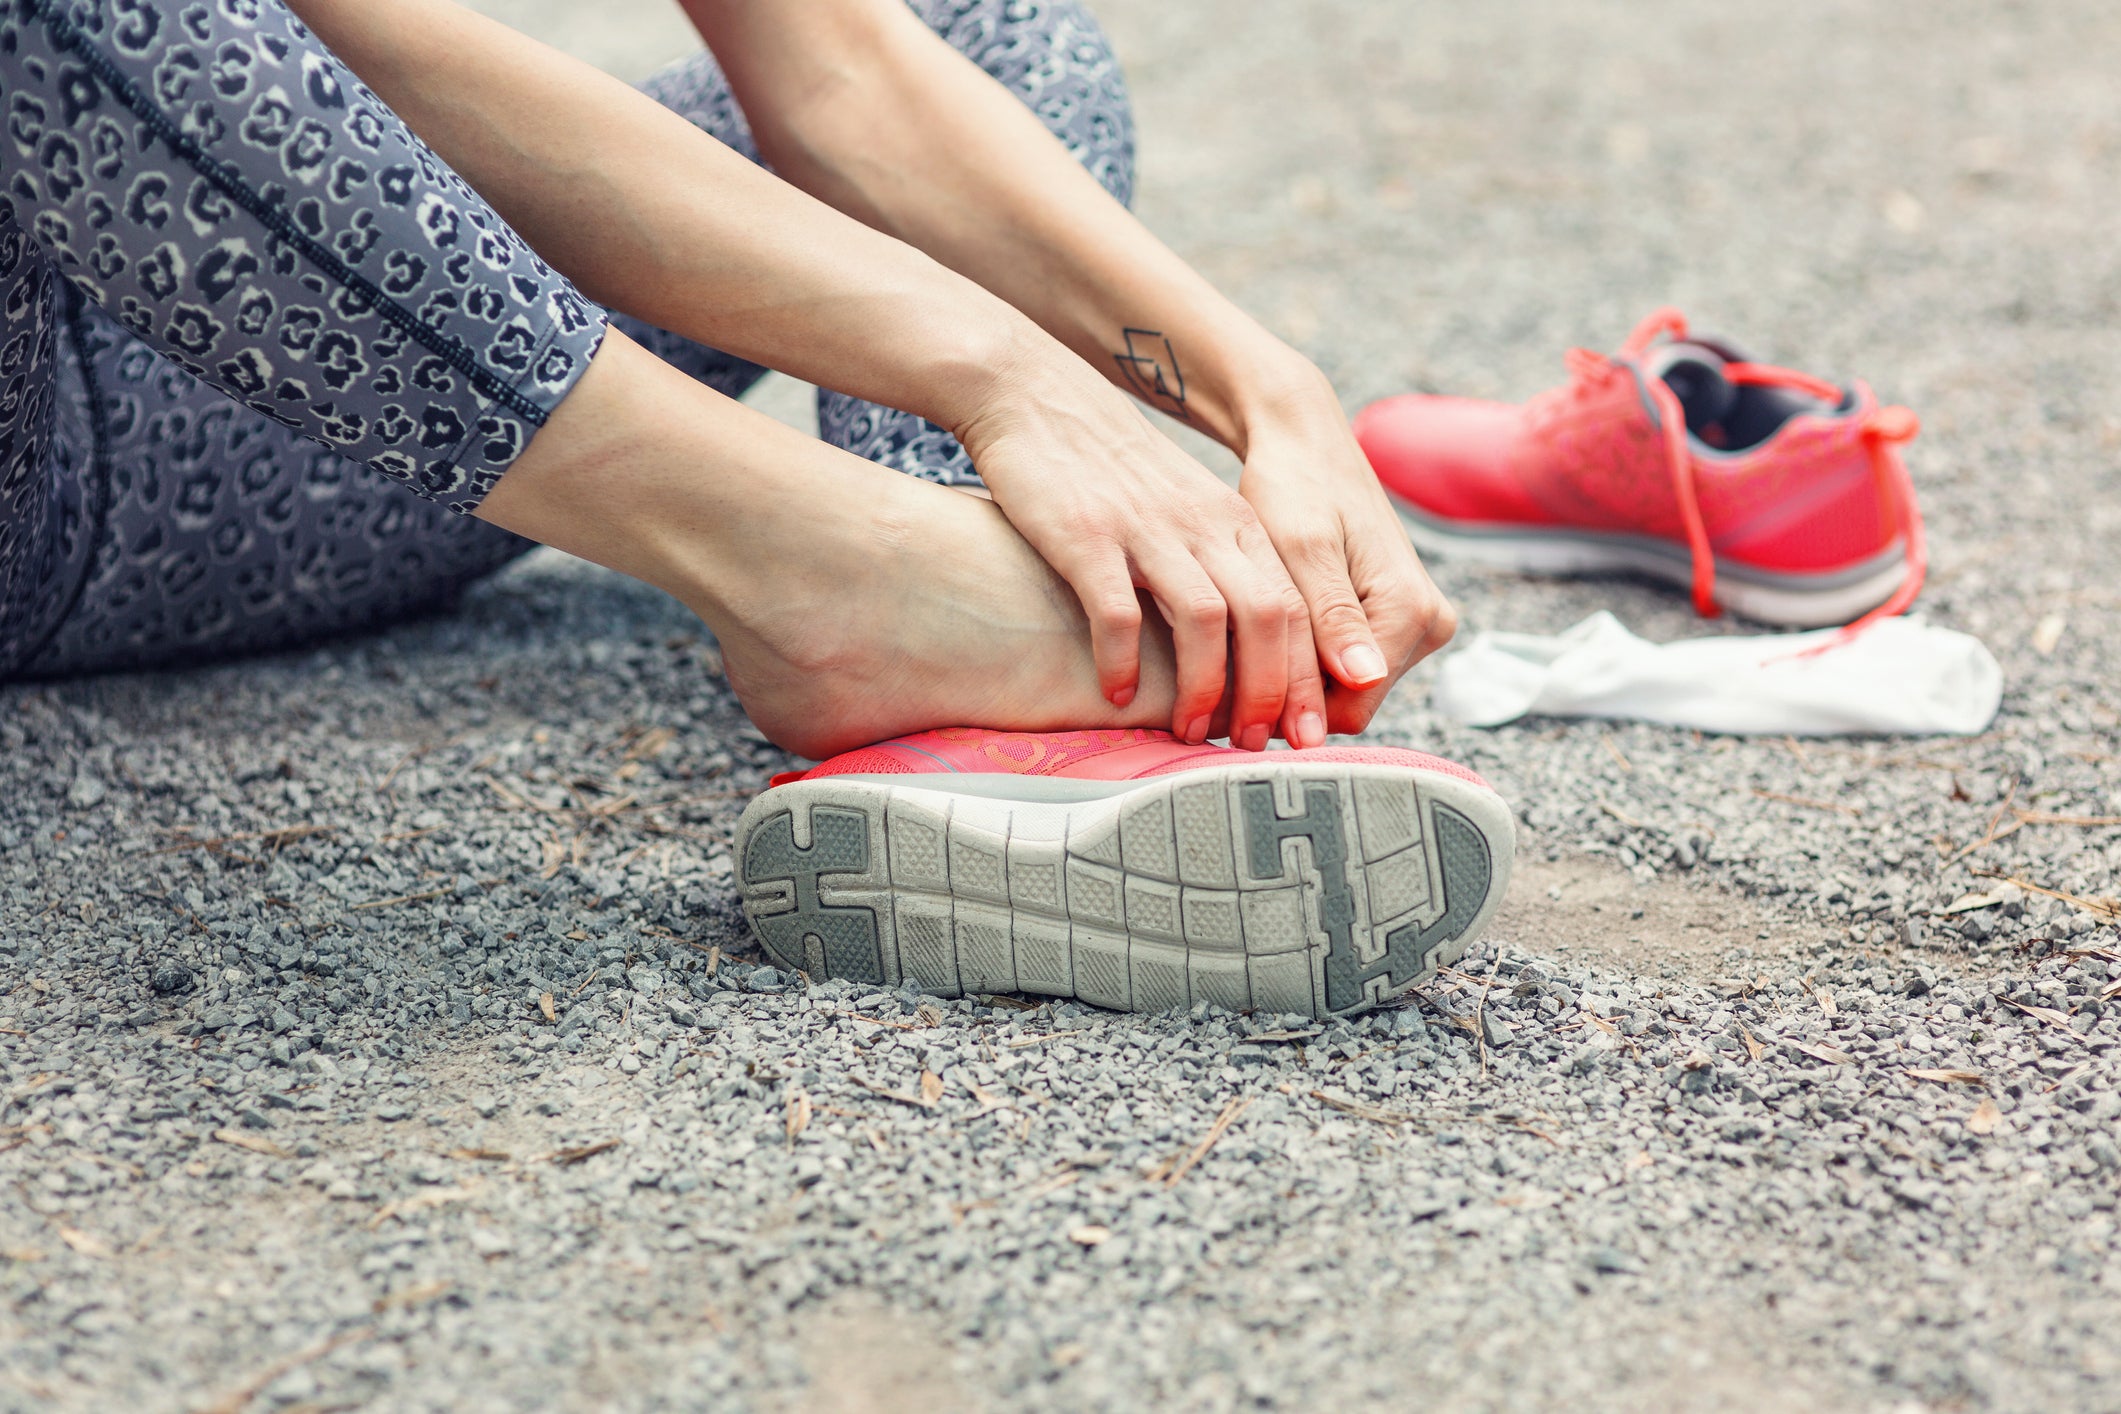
[1373,1113]
[1222,1123]
[1624,818]
[2105,908]
[250,1389]
[1808,803]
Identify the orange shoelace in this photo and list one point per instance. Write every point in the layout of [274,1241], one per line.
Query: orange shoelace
[1884,431]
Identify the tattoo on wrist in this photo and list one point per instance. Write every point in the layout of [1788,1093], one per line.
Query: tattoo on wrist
[1151,366]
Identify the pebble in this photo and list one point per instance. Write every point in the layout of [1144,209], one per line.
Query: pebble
[1530,1216]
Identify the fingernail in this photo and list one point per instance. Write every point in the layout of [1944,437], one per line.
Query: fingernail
[1122,697]
[1363,664]
[1310,730]
[1197,731]
[1255,738]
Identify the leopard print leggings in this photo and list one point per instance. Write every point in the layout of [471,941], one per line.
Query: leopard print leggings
[244,311]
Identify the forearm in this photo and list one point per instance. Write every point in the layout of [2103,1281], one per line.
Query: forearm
[650,216]
[859,103]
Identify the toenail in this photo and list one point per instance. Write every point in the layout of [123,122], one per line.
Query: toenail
[1255,738]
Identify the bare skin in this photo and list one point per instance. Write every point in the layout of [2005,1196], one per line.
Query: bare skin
[934,249]
[851,603]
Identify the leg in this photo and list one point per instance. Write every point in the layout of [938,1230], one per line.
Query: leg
[269,233]
[223,532]
[1051,54]
[40,556]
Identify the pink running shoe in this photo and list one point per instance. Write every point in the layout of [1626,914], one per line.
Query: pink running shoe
[1771,492]
[1126,868]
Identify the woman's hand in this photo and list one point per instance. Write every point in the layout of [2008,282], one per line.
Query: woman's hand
[1115,507]
[1373,611]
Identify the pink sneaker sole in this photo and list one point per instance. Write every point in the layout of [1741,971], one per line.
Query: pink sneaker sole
[1271,884]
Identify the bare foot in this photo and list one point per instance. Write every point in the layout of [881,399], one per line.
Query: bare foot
[914,607]
[852,603]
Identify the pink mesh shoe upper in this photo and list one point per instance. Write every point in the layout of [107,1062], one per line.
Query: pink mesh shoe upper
[1826,490]
[1119,754]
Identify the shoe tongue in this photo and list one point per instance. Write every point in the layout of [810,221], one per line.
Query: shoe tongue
[1694,372]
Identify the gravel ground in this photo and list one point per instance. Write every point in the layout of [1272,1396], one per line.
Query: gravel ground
[378,1030]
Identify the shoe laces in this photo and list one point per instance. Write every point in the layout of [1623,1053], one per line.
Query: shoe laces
[1884,431]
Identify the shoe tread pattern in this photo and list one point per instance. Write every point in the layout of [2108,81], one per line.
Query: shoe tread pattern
[1317,892]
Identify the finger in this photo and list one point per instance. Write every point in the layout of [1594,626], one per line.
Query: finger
[1358,652]
[1348,712]
[1098,575]
[1433,623]
[1261,601]
[1443,627]
[1193,606]
[1303,714]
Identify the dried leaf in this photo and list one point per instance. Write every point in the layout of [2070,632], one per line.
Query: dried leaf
[1698,1060]
[899,1095]
[2063,1079]
[2047,1014]
[1089,1235]
[483,1156]
[928,1014]
[546,1009]
[87,1244]
[1753,1049]
[2047,633]
[1985,1118]
[1823,1053]
[931,1088]
[256,1143]
[1949,1077]
[798,1117]
[21,1254]
[1826,1001]
[1969,903]
[989,1102]
[552,854]
[1640,1160]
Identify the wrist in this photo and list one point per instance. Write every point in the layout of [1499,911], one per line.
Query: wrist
[1280,393]
[1009,372]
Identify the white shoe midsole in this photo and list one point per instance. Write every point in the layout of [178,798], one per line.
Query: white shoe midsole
[1795,600]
